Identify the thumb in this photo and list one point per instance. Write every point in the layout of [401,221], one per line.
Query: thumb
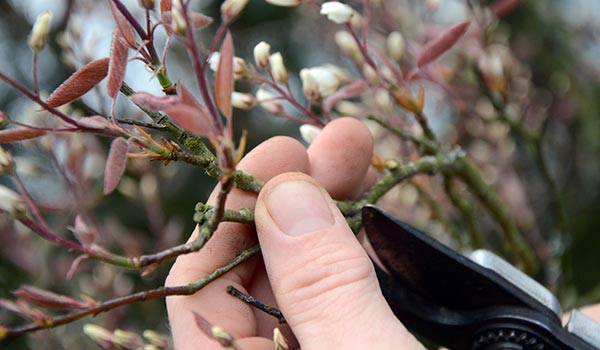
[322,278]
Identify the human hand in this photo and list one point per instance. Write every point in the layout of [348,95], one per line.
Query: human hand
[312,266]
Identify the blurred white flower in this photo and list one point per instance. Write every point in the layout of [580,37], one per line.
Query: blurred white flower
[337,12]
[325,78]
[309,132]
[285,3]
[11,202]
[395,45]
[269,101]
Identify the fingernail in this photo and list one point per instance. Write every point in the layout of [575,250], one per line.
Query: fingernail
[298,207]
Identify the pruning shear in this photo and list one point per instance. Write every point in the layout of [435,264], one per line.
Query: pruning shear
[479,302]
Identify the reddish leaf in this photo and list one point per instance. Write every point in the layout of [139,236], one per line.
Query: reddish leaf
[183,109]
[117,64]
[165,5]
[115,164]
[353,89]
[79,83]
[85,234]
[437,46]
[95,122]
[48,299]
[224,77]
[123,25]
[14,135]
[504,7]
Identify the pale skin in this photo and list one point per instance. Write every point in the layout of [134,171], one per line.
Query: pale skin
[312,267]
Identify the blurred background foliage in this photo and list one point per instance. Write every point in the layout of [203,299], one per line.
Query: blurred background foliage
[558,41]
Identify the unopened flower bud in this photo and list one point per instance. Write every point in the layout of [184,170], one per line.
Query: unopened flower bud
[7,164]
[346,42]
[309,85]
[269,102]
[370,74]
[230,9]
[147,4]
[177,20]
[395,46]
[159,340]
[126,339]
[309,132]
[241,100]
[285,3]
[350,109]
[39,33]
[383,100]
[262,50]
[337,12]
[278,68]
[240,68]
[222,336]
[99,335]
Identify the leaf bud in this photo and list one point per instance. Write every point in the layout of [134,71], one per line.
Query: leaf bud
[4,120]
[39,32]
[127,340]
[177,20]
[280,342]
[99,335]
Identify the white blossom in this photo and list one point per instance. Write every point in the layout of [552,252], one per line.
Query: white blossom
[269,101]
[325,78]
[337,12]
[240,68]
[395,45]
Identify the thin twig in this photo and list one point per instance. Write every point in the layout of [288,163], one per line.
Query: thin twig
[161,292]
[248,299]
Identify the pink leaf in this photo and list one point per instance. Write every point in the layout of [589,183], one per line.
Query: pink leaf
[95,122]
[123,25]
[20,134]
[85,234]
[437,46]
[199,21]
[165,5]
[117,64]
[49,299]
[504,7]
[191,119]
[183,110]
[149,101]
[79,83]
[353,89]
[224,77]
[115,164]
